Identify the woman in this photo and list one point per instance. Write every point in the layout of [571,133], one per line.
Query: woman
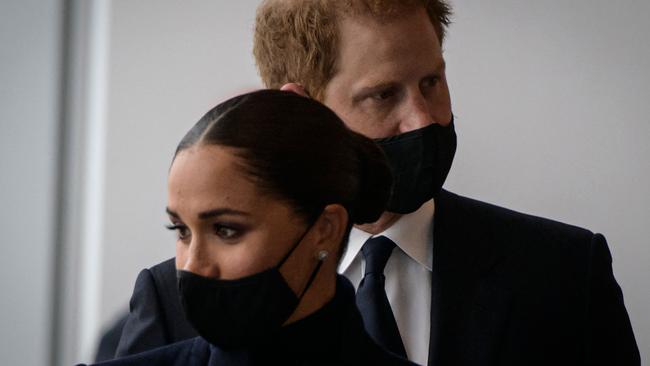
[263,192]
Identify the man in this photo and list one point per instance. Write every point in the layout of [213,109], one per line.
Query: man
[467,283]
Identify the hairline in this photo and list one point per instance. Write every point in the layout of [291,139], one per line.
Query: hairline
[366,16]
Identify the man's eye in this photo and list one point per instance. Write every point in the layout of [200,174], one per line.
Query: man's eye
[226,232]
[430,81]
[383,94]
[182,231]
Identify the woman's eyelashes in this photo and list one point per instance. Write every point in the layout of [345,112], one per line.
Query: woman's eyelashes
[182,232]
[224,231]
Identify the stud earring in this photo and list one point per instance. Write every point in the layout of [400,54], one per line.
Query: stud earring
[322,255]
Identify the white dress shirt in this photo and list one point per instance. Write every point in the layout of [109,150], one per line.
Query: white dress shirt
[408,276]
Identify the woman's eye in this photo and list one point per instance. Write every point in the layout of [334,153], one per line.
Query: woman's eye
[182,232]
[226,232]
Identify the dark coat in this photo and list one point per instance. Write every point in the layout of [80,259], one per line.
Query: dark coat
[507,289]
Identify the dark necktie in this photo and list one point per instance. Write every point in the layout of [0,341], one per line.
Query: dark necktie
[372,300]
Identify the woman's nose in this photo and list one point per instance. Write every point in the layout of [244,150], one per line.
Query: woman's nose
[198,262]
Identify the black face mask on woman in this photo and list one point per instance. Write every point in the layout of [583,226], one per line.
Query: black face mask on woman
[420,161]
[241,312]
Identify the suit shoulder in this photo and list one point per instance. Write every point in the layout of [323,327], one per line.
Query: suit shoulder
[193,351]
[164,272]
[516,230]
[164,267]
[524,249]
[475,210]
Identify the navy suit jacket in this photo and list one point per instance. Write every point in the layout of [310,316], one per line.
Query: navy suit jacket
[507,289]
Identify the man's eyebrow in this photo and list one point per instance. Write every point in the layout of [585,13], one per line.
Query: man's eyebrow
[375,88]
[441,64]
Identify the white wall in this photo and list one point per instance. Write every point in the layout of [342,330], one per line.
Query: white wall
[550,98]
[29,76]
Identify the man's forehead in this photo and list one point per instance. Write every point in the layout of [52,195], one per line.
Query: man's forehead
[357,11]
[379,42]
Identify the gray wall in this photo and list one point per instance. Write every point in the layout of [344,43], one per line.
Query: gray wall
[166,68]
[548,98]
[551,109]
[29,76]
[553,118]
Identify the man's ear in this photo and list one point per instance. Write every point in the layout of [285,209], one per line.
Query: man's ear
[330,228]
[295,88]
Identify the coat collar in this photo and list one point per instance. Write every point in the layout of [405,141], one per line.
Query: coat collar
[412,233]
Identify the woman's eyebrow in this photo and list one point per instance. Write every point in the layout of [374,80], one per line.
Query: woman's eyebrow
[210,213]
[172,213]
[221,211]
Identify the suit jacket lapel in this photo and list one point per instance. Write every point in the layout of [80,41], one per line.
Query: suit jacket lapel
[436,319]
[469,305]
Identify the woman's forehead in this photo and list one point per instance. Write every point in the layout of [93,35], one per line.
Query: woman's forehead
[209,175]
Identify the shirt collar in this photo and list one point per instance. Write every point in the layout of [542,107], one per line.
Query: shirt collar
[413,234]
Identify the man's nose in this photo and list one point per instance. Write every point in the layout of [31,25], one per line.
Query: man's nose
[417,114]
[198,261]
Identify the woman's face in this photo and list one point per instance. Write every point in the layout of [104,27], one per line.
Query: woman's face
[226,228]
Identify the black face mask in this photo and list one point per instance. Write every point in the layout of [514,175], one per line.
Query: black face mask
[241,312]
[420,161]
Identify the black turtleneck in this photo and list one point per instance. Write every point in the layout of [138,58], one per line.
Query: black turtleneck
[333,335]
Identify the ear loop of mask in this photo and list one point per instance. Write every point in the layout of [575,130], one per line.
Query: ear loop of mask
[312,277]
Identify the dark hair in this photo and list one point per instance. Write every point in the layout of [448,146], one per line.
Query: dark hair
[299,151]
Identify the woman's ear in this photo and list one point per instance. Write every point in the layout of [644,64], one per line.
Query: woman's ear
[295,88]
[330,229]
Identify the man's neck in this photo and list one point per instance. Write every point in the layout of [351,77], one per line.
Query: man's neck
[386,220]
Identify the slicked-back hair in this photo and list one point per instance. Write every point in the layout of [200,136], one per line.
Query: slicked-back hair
[298,151]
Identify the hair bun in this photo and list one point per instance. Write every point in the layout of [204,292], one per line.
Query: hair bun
[375,181]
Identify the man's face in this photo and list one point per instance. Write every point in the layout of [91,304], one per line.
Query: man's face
[391,76]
